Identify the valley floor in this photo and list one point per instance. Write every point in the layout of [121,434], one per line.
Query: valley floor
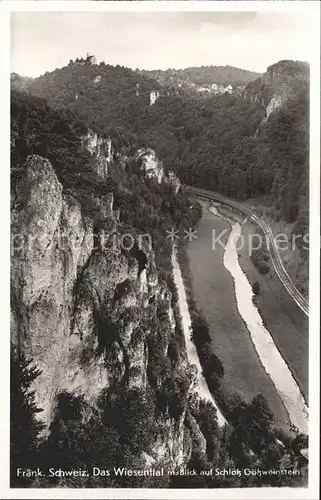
[213,290]
[285,321]
[191,350]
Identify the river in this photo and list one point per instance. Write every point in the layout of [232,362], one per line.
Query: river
[269,355]
[222,292]
[251,360]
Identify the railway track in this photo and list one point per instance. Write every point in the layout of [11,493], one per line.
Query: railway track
[270,242]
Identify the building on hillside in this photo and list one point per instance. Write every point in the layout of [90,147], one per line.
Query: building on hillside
[91,59]
[81,60]
[228,89]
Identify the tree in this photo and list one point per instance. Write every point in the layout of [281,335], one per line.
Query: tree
[200,334]
[256,288]
[24,425]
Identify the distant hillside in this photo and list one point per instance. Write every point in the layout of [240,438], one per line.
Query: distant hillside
[104,96]
[251,145]
[281,160]
[211,78]
[19,82]
[284,78]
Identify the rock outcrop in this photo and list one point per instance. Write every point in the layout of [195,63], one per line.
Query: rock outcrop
[150,164]
[173,180]
[280,82]
[101,148]
[81,307]
[97,79]
[153,96]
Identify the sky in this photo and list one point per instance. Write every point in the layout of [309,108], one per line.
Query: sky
[44,41]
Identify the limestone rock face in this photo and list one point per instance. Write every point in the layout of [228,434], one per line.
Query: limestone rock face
[151,165]
[54,241]
[173,180]
[280,81]
[275,103]
[153,96]
[100,148]
[97,79]
[81,311]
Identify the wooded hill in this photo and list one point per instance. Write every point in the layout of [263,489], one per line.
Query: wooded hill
[203,75]
[217,142]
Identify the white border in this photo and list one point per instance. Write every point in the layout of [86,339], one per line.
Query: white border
[162,6]
[311,492]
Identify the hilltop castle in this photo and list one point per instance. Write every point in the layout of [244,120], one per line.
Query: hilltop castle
[90,59]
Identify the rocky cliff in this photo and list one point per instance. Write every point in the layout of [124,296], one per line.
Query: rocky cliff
[152,168]
[280,82]
[153,96]
[150,164]
[84,301]
[100,148]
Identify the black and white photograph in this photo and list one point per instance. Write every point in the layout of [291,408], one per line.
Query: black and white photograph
[161,179]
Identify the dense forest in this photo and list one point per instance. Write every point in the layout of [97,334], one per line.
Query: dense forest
[145,205]
[203,75]
[107,97]
[216,143]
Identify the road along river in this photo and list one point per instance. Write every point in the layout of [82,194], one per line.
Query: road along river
[269,355]
[191,352]
[252,363]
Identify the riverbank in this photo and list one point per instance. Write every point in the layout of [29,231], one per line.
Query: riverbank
[284,320]
[270,356]
[213,292]
[191,351]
